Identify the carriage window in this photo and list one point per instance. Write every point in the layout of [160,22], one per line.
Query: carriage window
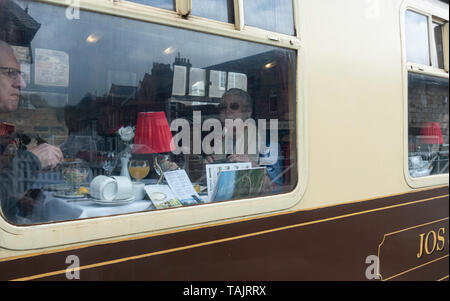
[220,10]
[417,43]
[166,4]
[428,123]
[273,15]
[105,115]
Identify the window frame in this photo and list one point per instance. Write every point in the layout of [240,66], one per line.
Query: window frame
[27,237]
[243,24]
[440,23]
[434,13]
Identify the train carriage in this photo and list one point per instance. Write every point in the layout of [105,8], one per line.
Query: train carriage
[351,96]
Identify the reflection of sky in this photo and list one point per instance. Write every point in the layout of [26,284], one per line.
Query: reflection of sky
[417,49]
[225,186]
[272,15]
[125,46]
[167,4]
[217,10]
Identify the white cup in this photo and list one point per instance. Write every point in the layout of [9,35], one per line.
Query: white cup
[139,190]
[124,187]
[103,188]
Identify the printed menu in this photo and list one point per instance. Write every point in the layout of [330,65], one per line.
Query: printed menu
[182,187]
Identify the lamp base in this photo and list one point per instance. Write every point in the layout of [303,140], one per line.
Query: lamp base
[164,162]
[158,170]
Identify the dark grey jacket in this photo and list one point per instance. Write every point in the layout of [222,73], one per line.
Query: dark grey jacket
[15,179]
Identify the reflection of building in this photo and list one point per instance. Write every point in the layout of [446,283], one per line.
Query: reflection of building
[119,92]
[267,77]
[17,27]
[122,104]
[428,102]
[181,90]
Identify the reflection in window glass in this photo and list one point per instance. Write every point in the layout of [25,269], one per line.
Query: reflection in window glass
[427,125]
[417,43]
[218,81]
[237,80]
[438,46]
[220,10]
[166,4]
[197,82]
[179,80]
[273,15]
[104,91]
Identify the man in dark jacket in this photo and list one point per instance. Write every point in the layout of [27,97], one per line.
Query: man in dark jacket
[27,163]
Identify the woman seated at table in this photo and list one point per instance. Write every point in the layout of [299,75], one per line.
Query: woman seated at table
[236,104]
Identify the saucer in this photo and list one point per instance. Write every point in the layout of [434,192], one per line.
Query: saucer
[124,201]
[68,196]
[58,187]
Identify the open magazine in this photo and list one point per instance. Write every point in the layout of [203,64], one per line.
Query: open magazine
[213,171]
[230,184]
[238,184]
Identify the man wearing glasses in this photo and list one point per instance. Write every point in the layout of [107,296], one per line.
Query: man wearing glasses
[11,80]
[28,163]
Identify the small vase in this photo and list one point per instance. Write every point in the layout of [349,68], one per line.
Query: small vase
[124,171]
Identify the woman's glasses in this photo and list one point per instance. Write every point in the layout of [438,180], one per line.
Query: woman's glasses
[233,106]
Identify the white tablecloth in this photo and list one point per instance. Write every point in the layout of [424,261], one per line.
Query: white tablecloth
[58,209]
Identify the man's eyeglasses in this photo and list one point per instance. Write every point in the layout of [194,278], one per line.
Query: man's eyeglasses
[13,73]
[233,106]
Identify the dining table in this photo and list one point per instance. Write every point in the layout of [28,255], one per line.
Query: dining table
[56,208]
[55,205]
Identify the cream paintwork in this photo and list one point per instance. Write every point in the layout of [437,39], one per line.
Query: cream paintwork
[239,14]
[183,7]
[350,131]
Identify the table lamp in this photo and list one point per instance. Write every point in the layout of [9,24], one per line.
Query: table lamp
[431,134]
[6,129]
[153,136]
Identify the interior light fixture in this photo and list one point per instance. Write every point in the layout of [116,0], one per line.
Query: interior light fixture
[94,37]
[270,65]
[169,50]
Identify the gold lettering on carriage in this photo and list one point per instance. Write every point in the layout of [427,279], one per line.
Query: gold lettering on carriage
[431,241]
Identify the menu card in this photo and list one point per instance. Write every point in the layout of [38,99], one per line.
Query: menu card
[162,196]
[182,187]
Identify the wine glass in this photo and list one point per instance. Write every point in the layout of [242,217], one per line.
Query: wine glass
[139,169]
[74,173]
[109,163]
[165,162]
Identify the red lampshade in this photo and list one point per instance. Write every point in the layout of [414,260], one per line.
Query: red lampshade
[153,134]
[431,134]
[6,129]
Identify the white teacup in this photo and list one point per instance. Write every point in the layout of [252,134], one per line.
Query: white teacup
[103,188]
[124,188]
[139,190]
